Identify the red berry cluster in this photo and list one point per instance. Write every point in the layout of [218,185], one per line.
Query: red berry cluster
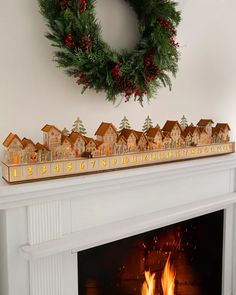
[83,6]
[149,79]
[173,43]
[116,72]
[69,41]
[148,60]
[126,85]
[137,93]
[152,71]
[167,25]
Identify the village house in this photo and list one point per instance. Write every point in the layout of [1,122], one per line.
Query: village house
[29,150]
[174,130]
[166,140]
[66,147]
[13,143]
[51,137]
[220,133]
[182,142]
[101,148]
[191,135]
[121,145]
[41,147]
[91,146]
[28,145]
[14,148]
[131,139]
[155,136]
[188,138]
[225,128]
[142,141]
[204,136]
[78,143]
[107,133]
[206,124]
[43,152]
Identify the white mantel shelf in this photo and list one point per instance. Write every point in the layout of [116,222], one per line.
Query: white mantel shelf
[18,195]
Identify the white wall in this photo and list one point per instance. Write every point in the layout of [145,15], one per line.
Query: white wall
[33,91]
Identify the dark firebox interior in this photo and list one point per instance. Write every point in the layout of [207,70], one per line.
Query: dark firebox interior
[194,246]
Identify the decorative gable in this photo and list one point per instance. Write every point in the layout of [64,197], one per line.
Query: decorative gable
[28,144]
[121,140]
[13,142]
[173,128]
[52,136]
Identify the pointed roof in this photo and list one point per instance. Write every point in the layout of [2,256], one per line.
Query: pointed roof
[121,137]
[204,122]
[10,138]
[41,147]
[102,129]
[190,130]
[89,139]
[98,143]
[75,135]
[169,125]
[48,127]
[127,132]
[139,134]
[152,132]
[65,138]
[220,126]
[165,135]
[25,141]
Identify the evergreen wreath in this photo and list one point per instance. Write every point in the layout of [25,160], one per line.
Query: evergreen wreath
[73,28]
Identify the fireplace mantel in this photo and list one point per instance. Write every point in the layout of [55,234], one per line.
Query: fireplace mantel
[19,195]
[44,224]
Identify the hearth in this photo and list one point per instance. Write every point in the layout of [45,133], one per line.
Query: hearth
[182,259]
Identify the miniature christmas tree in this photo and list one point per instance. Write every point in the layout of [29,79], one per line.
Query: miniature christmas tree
[65,132]
[124,124]
[158,126]
[78,126]
[183,123]
[147,124]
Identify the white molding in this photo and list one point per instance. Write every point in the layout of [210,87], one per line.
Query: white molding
[88,238]
[234,254]
[30,193]
[227,271]
[44,222]
[46,276]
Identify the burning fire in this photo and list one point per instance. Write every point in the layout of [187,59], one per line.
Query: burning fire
[149,285]
[167,281]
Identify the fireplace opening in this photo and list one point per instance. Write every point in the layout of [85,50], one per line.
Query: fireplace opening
[180,259]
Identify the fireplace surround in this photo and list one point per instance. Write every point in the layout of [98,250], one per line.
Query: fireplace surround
[44,225]
[192,249]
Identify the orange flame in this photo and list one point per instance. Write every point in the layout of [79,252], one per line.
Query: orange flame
[168,279]
[149,285]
